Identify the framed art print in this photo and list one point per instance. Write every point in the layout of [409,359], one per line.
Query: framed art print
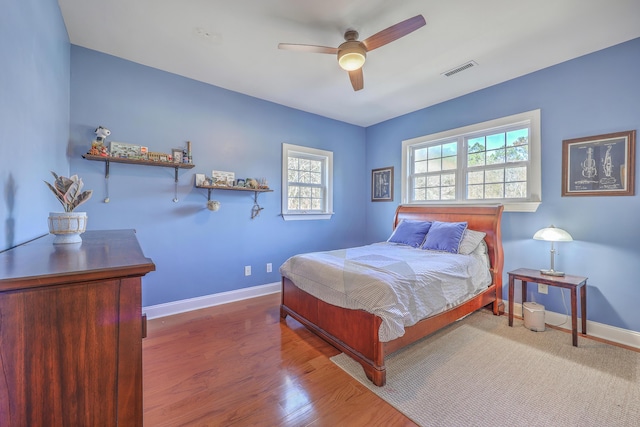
[601,165]
[176,153]
[201,179]
[382,185]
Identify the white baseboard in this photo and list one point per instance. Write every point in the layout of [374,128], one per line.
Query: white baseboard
[599,330]
[175,307]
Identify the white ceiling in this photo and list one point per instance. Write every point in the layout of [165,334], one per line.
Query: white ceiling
[233,44]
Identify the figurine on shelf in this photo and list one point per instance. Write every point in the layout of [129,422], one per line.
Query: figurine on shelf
[95,148]
[101,133]
[251,183]
[98,147]
[189,159]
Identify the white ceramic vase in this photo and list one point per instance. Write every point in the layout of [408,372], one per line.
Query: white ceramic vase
[67,226]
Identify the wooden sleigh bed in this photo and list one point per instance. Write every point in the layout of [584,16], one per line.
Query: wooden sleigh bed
[355,332]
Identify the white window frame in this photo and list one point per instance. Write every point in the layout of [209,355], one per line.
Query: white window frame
[290,150]
[534,174]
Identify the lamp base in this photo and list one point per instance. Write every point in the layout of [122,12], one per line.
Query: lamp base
[552,273]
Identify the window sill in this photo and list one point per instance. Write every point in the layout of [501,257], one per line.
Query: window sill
[508,206]
[303,217]
[521,206]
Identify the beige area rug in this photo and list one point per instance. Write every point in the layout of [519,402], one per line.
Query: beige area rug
[481,372]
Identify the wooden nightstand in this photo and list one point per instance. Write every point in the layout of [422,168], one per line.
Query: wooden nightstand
[569,282]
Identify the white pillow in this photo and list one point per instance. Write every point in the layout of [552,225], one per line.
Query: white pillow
[481,250]
[470,241]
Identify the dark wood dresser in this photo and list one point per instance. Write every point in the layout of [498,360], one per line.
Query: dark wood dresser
[71,332]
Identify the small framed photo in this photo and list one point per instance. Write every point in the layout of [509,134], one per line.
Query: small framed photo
[176,154]
[240,182]
[124,150]
[601,165]
[223,178]
[201,179]
[382,184]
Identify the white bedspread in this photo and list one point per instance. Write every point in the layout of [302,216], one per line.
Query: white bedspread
[398,283]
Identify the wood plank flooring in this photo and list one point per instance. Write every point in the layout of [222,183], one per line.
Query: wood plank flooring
[238,365]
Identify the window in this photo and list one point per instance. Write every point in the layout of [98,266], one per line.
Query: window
[492,162]
[307,183]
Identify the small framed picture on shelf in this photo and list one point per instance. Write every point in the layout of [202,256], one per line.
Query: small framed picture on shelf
[223,178]
[201,179]
[124,150]
[176,153]
[240,182]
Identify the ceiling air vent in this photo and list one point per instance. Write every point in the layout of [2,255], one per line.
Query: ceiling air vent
[459,68]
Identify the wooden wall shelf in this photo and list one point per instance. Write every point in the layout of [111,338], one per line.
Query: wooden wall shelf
[220,187]
[255,211]
[108,159]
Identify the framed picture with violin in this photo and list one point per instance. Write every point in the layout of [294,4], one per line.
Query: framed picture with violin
[601,165]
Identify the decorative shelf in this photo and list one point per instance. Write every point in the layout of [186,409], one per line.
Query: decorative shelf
[255,211]
[108,159]
[221,187]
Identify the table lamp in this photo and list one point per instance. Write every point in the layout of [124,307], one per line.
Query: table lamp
[552,234]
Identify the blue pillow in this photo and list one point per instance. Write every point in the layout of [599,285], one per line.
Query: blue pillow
[445,236]
[410,233]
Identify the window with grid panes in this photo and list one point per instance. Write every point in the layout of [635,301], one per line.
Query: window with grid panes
[491,162]
[307,183]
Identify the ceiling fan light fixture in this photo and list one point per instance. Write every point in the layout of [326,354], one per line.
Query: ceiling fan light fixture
[351,56]
[352,53]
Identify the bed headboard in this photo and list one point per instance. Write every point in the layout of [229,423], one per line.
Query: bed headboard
[484,218]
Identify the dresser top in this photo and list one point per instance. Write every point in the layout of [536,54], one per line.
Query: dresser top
[101,255]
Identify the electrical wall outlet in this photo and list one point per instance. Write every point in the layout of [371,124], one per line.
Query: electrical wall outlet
[269,267]
[543,289]
[247,270]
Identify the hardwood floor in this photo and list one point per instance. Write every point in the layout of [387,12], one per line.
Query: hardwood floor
[238,365]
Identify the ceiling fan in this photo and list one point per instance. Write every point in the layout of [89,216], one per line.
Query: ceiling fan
[352,53]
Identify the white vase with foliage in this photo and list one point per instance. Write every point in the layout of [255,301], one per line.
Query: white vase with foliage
[67,226]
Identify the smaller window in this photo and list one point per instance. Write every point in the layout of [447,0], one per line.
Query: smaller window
[307,183]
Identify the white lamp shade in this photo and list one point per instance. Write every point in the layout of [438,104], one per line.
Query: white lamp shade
[351,56]
[553,234]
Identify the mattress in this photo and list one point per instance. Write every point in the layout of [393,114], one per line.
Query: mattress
[398,283]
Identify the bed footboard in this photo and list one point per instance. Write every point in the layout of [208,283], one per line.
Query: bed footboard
[354,332]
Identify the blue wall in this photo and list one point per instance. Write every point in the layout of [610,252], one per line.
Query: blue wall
[34,115]
[46,123]
[591,95]
[198,252]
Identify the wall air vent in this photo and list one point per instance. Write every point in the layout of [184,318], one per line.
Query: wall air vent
[459,68]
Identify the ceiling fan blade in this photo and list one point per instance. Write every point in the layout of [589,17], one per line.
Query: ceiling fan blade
[357,79]
[394,32]
[308,48]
